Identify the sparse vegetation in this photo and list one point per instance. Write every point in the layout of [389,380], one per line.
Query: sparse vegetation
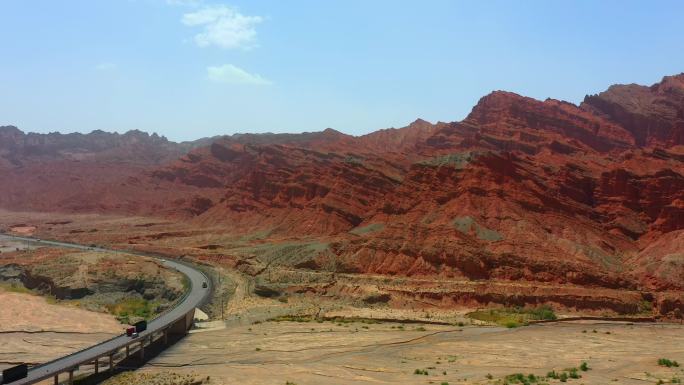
[186,283]
[373,227]
[340,321]
[519,378]
[421,372]
[128,309]
[290,253]
[456,160]
[162,378]
[514,317]
[15,288]
[667,362]
[465,224]
[568,373]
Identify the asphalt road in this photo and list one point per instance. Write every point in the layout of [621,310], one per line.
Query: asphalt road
[196,296]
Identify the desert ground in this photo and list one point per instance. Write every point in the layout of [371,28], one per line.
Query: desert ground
[34,330]
[390,353]
[276,324]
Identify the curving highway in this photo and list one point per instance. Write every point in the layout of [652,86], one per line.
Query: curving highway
[195,297]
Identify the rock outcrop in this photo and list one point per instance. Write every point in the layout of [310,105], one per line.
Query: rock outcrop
[540,191]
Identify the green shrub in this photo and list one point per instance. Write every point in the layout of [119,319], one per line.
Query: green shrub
[668,363]
[514,316]
[563,377]
[136,307]
[519,378]
[584,367]
[421,372]
[14,287]
[543,312]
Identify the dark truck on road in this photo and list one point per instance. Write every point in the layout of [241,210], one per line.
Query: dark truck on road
[134,330]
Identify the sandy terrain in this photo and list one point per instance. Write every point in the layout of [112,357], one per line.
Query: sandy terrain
[23,230]
[358,353]
[34,330]
[240,349]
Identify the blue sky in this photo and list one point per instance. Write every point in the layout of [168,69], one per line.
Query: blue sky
[190,68]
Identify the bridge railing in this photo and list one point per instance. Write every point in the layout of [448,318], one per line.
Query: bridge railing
[176,302]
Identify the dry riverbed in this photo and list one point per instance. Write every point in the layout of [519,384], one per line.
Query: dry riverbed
[391,353]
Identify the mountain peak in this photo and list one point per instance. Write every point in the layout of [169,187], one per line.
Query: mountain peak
[419,122]
[653,115]
[10,130]
[332,131]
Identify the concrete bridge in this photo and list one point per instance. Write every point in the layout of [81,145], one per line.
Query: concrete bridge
[175,321]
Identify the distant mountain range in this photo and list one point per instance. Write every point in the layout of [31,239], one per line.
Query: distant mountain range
[519,190]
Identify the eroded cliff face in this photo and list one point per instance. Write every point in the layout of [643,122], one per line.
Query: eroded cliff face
[653,115]
[520,190]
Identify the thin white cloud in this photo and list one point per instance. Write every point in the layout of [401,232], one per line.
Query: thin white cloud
[231,74]
[184,3]
[105,66]
[223,26]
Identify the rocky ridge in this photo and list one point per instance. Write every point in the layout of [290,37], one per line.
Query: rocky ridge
[520,190]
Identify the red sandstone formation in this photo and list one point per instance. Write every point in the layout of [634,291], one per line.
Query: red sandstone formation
[541,191]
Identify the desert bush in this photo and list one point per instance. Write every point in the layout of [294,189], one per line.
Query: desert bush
[668,363]
[519,378]
[514,316]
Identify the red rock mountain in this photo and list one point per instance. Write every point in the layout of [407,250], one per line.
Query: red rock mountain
[519,190]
